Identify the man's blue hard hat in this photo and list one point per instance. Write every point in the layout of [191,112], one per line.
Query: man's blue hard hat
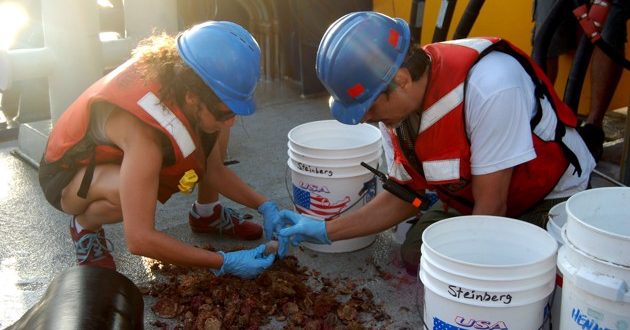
[357,59]
[227,58]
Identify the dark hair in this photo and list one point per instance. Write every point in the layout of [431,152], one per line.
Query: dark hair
[158,60]
[416,61]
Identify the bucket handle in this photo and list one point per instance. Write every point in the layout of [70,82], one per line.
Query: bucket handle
[601,285]
[286,185]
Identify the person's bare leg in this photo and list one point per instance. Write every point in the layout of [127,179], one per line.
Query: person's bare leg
[605,75]
[205,193]
[102,205]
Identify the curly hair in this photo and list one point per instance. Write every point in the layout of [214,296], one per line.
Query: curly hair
[158,60]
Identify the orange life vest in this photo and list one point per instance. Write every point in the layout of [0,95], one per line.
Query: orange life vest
[70,147]
[442,148]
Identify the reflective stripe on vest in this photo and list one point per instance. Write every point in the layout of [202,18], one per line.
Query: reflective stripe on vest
[165,117]
[447,169]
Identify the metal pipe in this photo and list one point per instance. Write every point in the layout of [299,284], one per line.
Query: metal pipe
[25,64]
[33,63]
[142,17]
[115,52]
[264,26]
[275,31]
[71,32]
[275,37]
[608,178]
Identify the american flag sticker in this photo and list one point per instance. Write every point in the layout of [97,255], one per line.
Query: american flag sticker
[314,204]
[441,325]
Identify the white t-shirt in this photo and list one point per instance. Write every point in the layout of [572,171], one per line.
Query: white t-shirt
[499,104]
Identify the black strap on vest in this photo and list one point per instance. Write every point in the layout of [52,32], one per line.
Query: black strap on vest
[560,130]
[87,177]
[540,92]
[407,135]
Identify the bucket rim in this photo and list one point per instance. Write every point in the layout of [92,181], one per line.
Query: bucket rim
[554,226]
[587,255]
[377,138]
[581,194]
[376,157]
[521,223]
[372,145]
[330,157]
[526,272]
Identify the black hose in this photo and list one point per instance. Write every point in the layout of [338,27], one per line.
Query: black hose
[468,19]
[546,31]
[86,297]
[575,80]
[581,61]
[444,20]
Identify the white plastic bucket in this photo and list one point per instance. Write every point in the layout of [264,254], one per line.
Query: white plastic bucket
[334,162]
[330,139]
[326,173]
[557,218]
[595,260]
[334,167]
[486,272]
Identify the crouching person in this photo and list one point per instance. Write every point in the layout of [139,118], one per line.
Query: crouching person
[474,120]
[147,130]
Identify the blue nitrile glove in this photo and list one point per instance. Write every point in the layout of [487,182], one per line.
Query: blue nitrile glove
[245,263]
[269,211]
[300,228]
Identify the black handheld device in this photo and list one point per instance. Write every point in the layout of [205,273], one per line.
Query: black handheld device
[400,191]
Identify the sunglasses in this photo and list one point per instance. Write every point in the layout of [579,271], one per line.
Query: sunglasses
[219,115]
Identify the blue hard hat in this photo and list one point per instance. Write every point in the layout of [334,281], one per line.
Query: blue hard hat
[227,58]
[356,60]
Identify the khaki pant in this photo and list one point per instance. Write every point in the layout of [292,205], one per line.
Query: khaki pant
[410,249]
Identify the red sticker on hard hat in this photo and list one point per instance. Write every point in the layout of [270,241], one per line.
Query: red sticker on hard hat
[356,90]
[393,38]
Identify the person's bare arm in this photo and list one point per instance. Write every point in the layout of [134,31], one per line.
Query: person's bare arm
[139,181]
[221,178]
[384,211]
[490,192]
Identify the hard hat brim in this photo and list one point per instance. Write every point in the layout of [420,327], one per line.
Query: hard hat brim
[349,115]
[241,108]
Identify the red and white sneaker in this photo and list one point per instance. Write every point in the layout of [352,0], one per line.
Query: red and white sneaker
[226,221]
[92,248]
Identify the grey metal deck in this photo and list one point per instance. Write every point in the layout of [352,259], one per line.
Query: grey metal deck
[35,245]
